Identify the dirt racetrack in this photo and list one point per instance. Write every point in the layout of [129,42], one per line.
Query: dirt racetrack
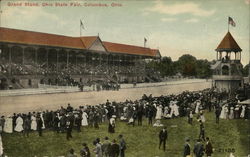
[29,103]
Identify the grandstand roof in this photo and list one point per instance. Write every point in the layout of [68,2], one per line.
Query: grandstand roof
[83,42]
[129,49]
[37,38]
[88,40]
[228,44]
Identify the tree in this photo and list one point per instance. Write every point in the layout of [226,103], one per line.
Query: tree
[203,68]
[166,67]
[245,71]
[186,65]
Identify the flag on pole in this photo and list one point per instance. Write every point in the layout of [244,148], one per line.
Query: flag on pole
[81,24]
[145,40]
[231,21]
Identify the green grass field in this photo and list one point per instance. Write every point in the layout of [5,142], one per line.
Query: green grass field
[142,141]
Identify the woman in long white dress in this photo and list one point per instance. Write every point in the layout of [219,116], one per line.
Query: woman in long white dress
[197,108]
[8,125]
[171,106]
[41,115]
[222,114]
[84,119]
[19,124]
[242,114]
[231,115]
[226,112]
[176,110]
[159,112]
[166,110]
[33,123]
[1,146]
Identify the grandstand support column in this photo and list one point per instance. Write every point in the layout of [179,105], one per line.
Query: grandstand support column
[76,58]
[100,59]
[57,60]
[36,49]
[144,64]
[85,59]
[91,60]
[107,63]
[67,51]
[119,62]
[47,58]
[23,48]
[113,61]
[10,52]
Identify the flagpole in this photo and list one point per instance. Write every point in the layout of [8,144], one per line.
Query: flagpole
[80,29]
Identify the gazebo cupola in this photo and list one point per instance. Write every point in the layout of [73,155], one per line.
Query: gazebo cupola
[227,71]
[226,47]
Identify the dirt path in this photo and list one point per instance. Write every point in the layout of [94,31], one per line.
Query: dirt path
[22,104]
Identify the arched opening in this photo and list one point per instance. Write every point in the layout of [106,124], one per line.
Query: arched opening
[49,81]
[16,54]
[29,82]
[42,81]
[29,55]
[13,80]
[225,70]
[41,56]
[4,53]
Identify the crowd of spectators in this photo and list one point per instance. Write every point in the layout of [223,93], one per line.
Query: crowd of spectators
[185,104]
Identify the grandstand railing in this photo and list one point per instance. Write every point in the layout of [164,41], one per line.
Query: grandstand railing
[157,84]
[32,91]
[56,87]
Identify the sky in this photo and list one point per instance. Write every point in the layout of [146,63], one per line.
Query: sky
[175,27]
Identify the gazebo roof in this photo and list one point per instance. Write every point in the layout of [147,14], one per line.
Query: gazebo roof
[228,44]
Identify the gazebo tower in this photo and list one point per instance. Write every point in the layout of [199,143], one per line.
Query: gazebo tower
[227,71]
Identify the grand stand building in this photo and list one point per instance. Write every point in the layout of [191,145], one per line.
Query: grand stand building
[227,71]
[31,58]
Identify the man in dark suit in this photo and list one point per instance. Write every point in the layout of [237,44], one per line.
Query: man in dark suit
[39,125]
[140,114]
[217,114]
[150,115]
[14,121]
[198,149]
[69,130]
[208,148]
[26,126]
[163,136]
[78,121]
[187,150]
[123,146]
[69,108]
[114,149]
[202,131]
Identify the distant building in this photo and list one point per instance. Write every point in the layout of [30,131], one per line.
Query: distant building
[30,58]
[227,71]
